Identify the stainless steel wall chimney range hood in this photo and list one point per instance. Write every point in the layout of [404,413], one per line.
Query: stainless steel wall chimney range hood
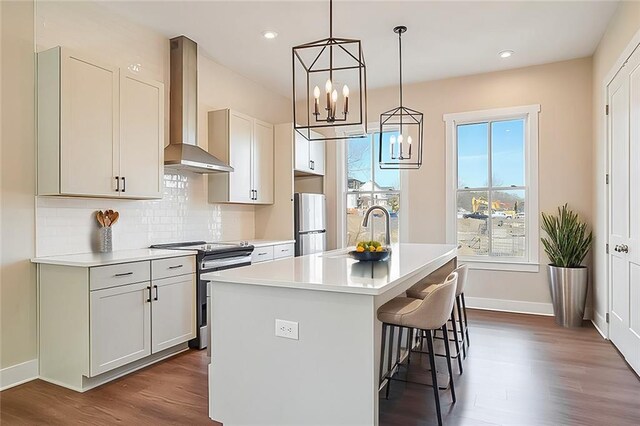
[183,153]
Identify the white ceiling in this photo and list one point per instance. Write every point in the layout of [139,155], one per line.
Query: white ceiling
[444,39]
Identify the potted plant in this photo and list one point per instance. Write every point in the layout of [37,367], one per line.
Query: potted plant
[567,244]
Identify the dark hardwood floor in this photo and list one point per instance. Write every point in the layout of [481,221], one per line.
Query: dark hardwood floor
[520,370]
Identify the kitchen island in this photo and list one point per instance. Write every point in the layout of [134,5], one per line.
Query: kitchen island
[325,370]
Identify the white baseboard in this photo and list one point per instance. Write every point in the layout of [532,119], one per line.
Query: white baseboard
[599,319]
[18,374]
[505,305]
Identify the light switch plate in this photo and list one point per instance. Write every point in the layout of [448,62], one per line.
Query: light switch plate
[287,329]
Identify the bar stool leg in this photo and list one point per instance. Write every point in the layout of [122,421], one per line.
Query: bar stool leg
[382,346]
[466,323]
[455,333]
[459,309]
[410,345]
[434,375]
[399,347]
[448,352]
[389,360]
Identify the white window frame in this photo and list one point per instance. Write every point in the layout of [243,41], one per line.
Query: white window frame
[530,263]
[341,187]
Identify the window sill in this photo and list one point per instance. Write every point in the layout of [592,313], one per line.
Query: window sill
[490,265]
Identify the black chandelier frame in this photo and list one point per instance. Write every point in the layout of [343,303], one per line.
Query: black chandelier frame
[340,120]
[397,118]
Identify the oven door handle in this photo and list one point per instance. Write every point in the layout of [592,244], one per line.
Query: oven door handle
[221,263]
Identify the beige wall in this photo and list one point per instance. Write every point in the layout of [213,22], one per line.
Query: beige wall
[563,90]
[623,26]
[17,275]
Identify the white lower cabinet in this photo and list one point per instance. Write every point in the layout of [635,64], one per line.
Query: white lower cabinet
[101,322]
[173,311]
[120,326]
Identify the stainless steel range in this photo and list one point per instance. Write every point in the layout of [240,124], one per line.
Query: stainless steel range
[211,257]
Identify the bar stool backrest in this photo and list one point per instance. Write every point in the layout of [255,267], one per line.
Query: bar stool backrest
[462,278]
[435,308]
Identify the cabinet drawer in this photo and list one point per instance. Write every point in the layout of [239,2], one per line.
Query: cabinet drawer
[283,250]
[115,275]
[174,266]
[262,254]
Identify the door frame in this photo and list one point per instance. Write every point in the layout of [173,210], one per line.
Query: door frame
[631,47]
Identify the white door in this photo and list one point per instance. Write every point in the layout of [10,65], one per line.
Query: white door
[141,137]
[89,128]
[120,326]
[317,157]
[624,225]
[173,311]
[263,162]
[240,142]
[301,149]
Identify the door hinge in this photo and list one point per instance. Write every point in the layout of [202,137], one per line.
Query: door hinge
[606,110]
[607,248]
[606,178]
[606,317]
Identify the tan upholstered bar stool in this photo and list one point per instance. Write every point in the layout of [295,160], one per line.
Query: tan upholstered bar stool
[427,315]
[422,289]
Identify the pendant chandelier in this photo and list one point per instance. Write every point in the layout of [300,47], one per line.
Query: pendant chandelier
[401,128]
[337,66]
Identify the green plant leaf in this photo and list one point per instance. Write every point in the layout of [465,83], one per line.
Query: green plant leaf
[568,242]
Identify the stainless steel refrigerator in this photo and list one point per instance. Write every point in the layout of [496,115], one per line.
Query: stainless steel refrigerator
[310,223]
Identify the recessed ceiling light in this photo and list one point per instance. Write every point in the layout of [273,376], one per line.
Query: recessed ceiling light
[505,53]
[269,34]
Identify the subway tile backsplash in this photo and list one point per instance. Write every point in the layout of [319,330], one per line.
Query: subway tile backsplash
[68,225]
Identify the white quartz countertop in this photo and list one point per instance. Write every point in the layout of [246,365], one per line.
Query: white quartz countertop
[87,260]
[336,271]
[262,243]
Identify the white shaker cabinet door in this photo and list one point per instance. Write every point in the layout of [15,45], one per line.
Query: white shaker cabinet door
[263,162]
[316,157]
[301,149]
[173,311]
[89,128]
[141,137]
[120,326]
[240,157]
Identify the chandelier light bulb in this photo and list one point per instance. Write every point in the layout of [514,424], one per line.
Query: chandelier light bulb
[345,91]
[316,92]
[334,96]
[400,138]
[328,86]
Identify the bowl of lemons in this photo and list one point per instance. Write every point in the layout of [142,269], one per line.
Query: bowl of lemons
[370,251]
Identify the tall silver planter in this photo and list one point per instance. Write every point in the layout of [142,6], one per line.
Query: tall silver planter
[569,294]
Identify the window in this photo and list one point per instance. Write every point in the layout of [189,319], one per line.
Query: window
[492,206]
[367,185]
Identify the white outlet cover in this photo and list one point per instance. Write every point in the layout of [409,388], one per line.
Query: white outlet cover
[287,329]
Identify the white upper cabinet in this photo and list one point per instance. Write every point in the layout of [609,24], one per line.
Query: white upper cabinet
[309,155]
[263,152]
[100,130]
[247,145]
[141,137]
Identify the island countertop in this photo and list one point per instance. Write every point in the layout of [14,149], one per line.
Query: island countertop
[335,271]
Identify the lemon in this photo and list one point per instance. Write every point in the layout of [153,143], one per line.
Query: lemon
[379,249]
[359,249]
[372,248]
